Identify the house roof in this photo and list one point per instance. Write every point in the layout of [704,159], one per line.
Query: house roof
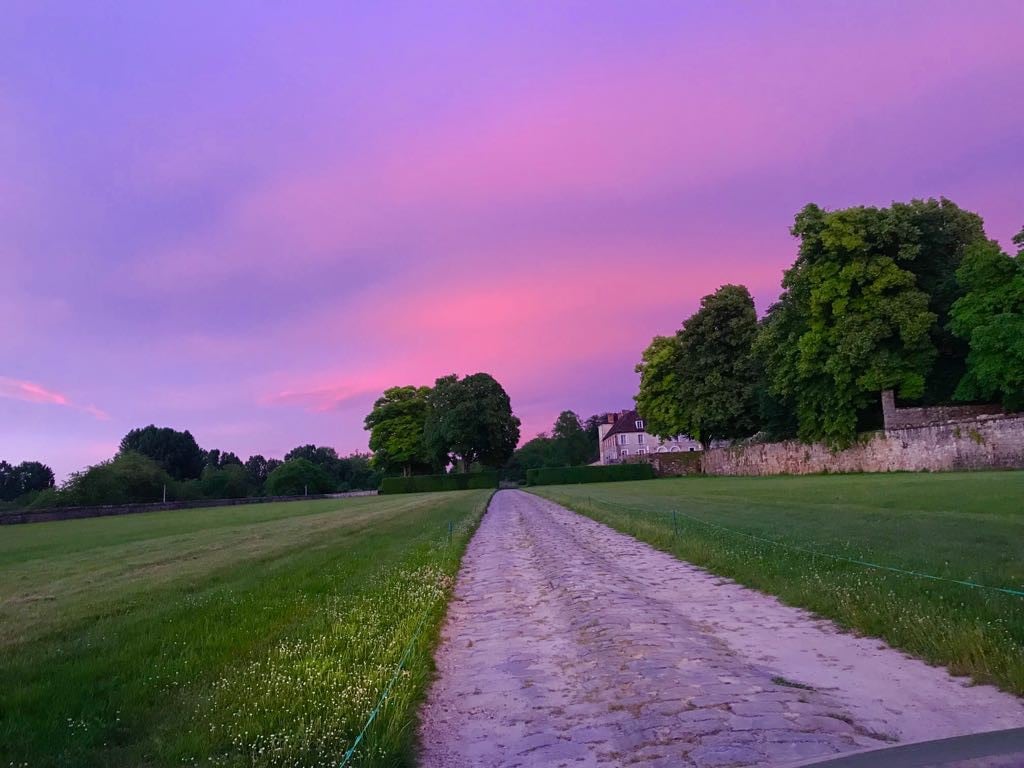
[625,423]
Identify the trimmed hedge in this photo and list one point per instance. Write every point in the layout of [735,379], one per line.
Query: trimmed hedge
[604,474]
[431,483]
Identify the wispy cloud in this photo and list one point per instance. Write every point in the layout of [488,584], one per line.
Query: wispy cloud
[31,392]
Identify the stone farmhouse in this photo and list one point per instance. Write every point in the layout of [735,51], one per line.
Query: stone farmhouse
[623,436]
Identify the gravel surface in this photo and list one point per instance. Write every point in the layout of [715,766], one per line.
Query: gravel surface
[568,643]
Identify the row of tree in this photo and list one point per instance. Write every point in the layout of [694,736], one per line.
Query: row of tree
[152,461]
[913,298]
[28,477]
[571,443]
[458,423]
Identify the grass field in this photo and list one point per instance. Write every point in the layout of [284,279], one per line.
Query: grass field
[959,526]
[238,636]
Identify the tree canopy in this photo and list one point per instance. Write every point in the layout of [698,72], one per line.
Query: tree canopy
[852,320]
[703,381]
[177,452]
[396,426]
[296,476]
[26,477]
[570,442]
[990,317]
[470,421]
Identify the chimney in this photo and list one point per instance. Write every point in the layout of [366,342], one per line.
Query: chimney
[612,418]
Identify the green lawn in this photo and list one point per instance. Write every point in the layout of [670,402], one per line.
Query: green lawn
[966,526]
[239,636]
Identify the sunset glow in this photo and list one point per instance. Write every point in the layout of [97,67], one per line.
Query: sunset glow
[247,221]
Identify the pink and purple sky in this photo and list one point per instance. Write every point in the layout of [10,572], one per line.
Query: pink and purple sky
[248,219]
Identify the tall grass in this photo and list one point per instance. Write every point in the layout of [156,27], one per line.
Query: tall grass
[262,641]
[967,527]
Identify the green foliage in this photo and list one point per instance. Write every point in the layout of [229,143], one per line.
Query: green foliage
[593,429]
[661,384]
[344,472]
[571,444]
[990,317]
[601,474]
[257,468]
[433,483]
[535,453]
[298,476]
[853,319]
[177,452]
[703,381]
[128,478]
[470,421]
[229,482]
[28,477]
[396,430]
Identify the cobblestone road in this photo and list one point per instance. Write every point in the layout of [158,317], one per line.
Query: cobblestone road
[570,644]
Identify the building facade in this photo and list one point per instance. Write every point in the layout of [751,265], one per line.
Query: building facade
[623,436]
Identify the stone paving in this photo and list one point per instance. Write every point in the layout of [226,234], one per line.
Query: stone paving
[569,644]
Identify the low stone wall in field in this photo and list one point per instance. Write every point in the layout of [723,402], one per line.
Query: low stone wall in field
[993,442]
[76,513]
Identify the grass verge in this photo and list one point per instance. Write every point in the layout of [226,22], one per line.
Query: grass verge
[968,527]
[229,637]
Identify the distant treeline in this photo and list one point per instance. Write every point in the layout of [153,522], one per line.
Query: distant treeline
[155,460]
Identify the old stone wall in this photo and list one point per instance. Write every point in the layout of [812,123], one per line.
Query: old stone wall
[901,418]
[987,442]
[676,463]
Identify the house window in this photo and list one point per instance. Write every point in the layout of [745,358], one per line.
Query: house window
[622,439]
[640,438]
[623,452]
[639,423]
[641,451]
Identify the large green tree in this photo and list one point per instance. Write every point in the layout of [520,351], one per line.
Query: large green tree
[396,426]
[703,383]
[661,376]
[853,318]
[570,441]
[990,317]
[177,452]
[470,421]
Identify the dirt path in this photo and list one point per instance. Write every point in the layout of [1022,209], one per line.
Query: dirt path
[570,644]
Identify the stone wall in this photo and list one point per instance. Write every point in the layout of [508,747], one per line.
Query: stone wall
[901,418]
[987,442]
[76,513]
[676,463]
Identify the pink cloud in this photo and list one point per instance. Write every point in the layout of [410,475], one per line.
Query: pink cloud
[30,392]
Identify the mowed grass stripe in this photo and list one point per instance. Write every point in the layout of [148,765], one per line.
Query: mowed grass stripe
[268,647]
[959,526]
[96,562]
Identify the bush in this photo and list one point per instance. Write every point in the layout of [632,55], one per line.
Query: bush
[603,474]
[294,477]
[431,483]
[128,478]
[231,482]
